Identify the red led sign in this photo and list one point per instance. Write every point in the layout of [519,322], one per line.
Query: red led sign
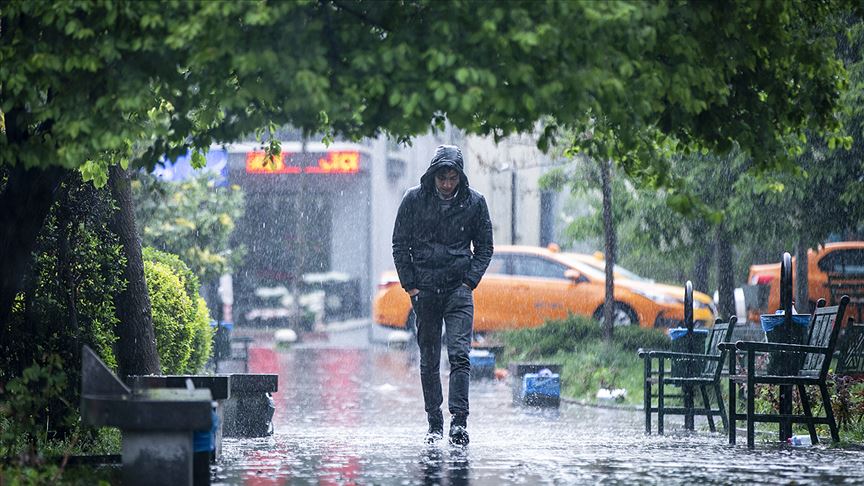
[333,162]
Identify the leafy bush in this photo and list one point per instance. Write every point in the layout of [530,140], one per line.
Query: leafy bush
[173,316]
[66,300]
[632,338]
[197,314]
[23,408]
[552,337]
[202,338]
[570,333]
[184,273]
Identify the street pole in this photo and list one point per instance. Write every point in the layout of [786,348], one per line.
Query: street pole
[514,239]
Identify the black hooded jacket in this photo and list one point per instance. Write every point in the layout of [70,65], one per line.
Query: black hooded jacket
[431,245]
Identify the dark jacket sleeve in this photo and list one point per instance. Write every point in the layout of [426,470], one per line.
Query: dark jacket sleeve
[482,242]
[402,235]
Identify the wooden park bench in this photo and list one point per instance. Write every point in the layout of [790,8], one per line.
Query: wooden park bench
[817,353]
[706,368]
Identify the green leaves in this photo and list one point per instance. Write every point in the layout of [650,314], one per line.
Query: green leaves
[758,74]
[198,159]
[191,219]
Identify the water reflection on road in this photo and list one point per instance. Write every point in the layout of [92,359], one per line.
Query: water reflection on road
[352,414]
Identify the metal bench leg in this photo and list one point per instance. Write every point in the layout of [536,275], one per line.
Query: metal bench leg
[733,418]
[721,407]
[660,393]
[829,413]
[708,412]
[751,400]
[646,399]
[805,404]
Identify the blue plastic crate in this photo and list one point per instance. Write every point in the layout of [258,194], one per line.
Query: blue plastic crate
[205,440]
[482,361]
[541,384]
[679,332]
[482,364]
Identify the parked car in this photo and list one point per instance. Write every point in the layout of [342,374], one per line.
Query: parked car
[525,286]
[598,261]
[835,266]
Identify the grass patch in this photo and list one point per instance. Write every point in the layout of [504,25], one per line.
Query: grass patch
[587,361]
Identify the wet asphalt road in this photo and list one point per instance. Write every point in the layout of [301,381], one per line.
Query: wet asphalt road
[351,413]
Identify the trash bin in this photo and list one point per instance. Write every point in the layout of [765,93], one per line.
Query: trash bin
[222,340]
[684,341]
[776,331]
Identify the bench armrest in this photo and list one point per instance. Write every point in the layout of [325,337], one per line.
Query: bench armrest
[767,347]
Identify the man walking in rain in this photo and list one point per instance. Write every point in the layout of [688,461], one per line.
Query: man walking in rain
[437,224]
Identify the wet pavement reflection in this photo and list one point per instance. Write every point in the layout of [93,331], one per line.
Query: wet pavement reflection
[349,413]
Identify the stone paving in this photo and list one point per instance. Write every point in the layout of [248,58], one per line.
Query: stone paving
[350,413]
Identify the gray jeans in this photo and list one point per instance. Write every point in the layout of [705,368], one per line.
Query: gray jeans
[455,308]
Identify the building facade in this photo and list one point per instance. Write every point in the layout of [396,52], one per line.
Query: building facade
[320,218]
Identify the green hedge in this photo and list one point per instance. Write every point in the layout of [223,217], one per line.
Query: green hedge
[181,319]
[202,338]
[187,277]
[173,313]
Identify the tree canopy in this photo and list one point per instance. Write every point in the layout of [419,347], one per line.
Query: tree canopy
[95,82]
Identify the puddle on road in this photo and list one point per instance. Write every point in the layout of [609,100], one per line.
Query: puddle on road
[354,416]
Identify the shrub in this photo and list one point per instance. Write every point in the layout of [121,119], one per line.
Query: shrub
[66,300]
[184,273]
[173,314]
[632,338]
[552,337]
[202,338]
[25,399]
[198,313]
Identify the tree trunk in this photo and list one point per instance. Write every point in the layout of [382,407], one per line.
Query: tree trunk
[66,229]
[610,248]
[802,285]
[725,274]
[701,266]
[24,205]
[136,340]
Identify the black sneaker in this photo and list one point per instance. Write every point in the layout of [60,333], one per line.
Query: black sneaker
[458,435]
[434,435]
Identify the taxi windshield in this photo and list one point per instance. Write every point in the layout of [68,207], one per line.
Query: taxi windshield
[598,269]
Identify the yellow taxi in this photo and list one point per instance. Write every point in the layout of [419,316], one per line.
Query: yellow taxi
[832,270]
[525,286]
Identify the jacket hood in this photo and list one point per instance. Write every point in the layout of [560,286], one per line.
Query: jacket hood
[448,156]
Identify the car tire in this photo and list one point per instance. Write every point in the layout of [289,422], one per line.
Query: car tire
[622,315]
